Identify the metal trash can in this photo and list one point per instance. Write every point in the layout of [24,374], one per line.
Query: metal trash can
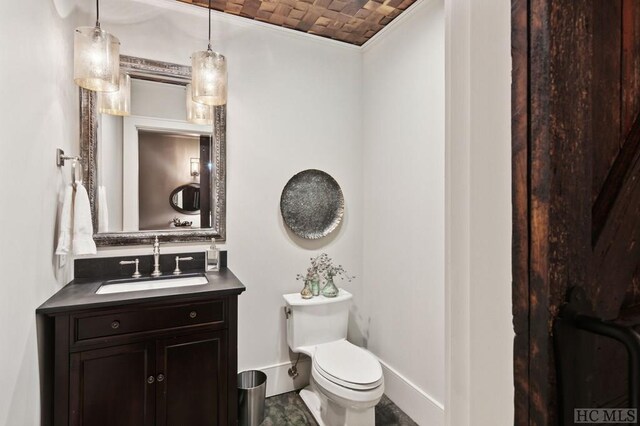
[252,386]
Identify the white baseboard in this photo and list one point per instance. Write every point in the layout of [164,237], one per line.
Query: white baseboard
[417,404]
[278,380]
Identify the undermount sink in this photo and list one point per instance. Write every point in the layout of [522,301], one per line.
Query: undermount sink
[140,284]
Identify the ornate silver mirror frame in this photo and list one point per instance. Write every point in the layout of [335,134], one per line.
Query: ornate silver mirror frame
[165,72]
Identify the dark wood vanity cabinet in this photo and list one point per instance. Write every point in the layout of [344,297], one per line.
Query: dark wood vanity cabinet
[194,382]
[165,364]
[112,386]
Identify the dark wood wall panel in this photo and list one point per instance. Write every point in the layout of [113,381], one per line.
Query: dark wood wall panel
[630,63]
[570,146]
[568,153]
[632,295]
[520,194]
[618,249]
[607,38]
[576,188]
[539,354]
[615,233]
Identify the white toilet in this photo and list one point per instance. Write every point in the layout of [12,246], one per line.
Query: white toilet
[346,380]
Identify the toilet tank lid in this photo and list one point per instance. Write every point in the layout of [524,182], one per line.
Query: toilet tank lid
[295,299]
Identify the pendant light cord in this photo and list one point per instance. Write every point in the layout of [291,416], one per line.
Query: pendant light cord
[98,13]
[209,48]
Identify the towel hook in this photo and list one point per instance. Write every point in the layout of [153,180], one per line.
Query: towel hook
[60,161]
[61,158]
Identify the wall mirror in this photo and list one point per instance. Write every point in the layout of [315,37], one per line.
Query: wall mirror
[159,171]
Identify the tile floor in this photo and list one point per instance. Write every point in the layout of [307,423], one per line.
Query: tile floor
[288,409]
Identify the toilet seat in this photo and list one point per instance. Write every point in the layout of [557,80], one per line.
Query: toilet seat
[344,396]
[347,365]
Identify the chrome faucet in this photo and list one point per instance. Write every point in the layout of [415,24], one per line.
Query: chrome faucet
[156,259]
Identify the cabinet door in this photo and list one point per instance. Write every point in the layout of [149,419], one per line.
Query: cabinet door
[113,386]
[191,380]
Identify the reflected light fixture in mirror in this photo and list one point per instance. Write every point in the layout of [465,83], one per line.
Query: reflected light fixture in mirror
[117,103]
[198,113]
[96,58]
[209,75]
[195,167]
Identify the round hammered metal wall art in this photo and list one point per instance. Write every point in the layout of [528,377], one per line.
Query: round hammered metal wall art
[312,204]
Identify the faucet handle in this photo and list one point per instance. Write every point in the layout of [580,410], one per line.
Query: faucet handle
[137,273]
[177,271]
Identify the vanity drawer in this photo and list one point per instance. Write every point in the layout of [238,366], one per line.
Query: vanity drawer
[148,319]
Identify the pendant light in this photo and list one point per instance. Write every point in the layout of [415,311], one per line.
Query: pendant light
[198,113]
[119,102]
[96,58]
[209,75]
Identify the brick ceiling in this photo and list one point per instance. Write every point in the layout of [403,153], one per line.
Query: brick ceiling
[350,21]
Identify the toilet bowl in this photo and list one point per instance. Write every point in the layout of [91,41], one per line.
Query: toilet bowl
[346,380]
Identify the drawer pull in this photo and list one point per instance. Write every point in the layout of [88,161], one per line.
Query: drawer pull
[150,379]
[115,324]
[160,377]
[193,314]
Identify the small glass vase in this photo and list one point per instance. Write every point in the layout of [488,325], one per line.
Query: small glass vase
[306,291]
[315,286]
[330,289]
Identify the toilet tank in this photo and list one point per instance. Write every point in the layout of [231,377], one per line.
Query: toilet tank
[317,320]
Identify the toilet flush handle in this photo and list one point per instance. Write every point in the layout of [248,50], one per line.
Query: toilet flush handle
[287,312]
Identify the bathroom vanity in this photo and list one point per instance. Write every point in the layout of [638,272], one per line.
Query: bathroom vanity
[151,357]
[127,343]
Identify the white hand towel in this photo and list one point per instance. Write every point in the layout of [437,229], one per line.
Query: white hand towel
[103,210]
[82,227]
[66,223]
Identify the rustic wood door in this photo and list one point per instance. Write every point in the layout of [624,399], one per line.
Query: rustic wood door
[113,386]
[576,183]
[191,377]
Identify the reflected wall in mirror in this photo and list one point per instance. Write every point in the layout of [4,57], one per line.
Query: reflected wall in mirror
[164,163]
[154,172]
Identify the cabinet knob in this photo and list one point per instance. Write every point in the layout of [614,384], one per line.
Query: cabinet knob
[160,377]
[150,379]
[193,314]
[115,324]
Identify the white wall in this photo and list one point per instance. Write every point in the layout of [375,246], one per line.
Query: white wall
[478,229]
[294,103]
[39,109]
[403,146]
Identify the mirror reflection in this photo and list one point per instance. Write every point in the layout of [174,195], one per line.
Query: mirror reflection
[155,168]
[186,199]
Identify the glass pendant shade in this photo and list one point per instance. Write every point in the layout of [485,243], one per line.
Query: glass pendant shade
[96,59]
[209,78]
[198,113]
[117,103]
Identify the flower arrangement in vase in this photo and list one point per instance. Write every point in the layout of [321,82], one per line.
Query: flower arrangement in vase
[307,290]
[322,266]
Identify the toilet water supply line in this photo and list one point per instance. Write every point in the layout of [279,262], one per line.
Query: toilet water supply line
[293,371]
